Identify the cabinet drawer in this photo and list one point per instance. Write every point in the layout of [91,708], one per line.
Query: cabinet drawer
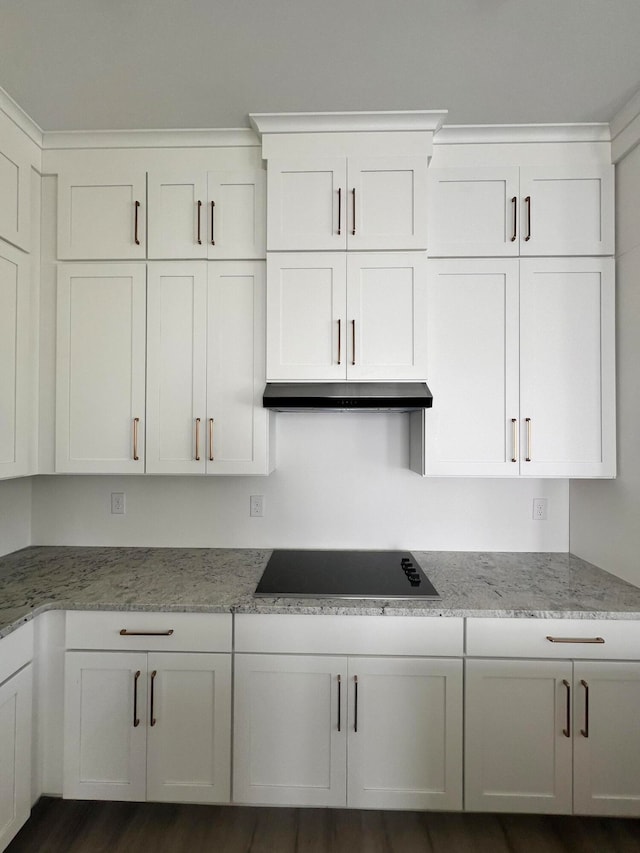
[349,635]
[16,650]
[554,638]
[170,632]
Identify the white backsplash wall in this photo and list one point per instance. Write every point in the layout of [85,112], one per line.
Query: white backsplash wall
[15,514]
[342,480]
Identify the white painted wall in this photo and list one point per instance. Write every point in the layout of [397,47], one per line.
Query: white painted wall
[605,514]
[15,514]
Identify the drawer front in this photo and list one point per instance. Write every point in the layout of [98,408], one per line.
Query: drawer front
[349,635]
[16,650]
[163,632]
[595,639]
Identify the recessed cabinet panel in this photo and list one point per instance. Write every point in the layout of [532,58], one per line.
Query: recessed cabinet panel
[177,223]
[15,754]
[15,180]
[236,214]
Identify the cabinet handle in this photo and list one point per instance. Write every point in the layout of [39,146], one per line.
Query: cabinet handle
[199,215]
[514,439]
[353,212]
[197,439]
[126,633]
[353,342]
[527,201]
[567,731]
[339,701]
[585,731]
[528,456]
[339,211]
[599,640]
[210,439]
[152,719]
[339,341]
[136,721]
[213,205]
[514,202]
[355,704]
[136,421]
[136,206]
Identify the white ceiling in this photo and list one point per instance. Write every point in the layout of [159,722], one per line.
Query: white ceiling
[89,64]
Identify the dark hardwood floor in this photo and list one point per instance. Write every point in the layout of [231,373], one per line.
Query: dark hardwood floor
[69,826]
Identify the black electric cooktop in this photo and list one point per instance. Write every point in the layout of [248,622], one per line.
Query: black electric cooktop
[344,574]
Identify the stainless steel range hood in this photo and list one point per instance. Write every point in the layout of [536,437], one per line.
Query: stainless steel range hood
[347,396]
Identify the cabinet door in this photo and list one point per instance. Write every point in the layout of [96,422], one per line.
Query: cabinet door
[567,210]
[473,212]
[567,367]
[290,730]
[306,324]
[15,191]
[14,357]
[101,217]
[15,754]
[189,734]
[472,360]
[236,214]
[405,733]
[105,726]
[237,440]
[176,366]
[177,214]
[100,399]
[606,739]
[306,204]
[518,736]
[387,203]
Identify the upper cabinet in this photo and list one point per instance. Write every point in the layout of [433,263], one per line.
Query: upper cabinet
[337,203]
[546,210]
[15,187]
[216,215]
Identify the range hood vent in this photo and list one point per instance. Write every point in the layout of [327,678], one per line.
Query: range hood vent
[347,396]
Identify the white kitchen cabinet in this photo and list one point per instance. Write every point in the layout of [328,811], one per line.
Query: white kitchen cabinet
[15,753]
[101,215]
[15,191]
[100,368]
[334,203]
[544,210]
[15,428]
[215,215]
[521,366]
[205,369]
[335,317]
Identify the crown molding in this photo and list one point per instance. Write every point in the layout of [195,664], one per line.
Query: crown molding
[346,122]
[177,138]
[20,118]
[462,134]
[625,128]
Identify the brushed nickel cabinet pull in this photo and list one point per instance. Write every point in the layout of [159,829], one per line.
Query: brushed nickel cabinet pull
[528,456]
[136,721]
[213,205]
[355,704]
[353,211]
[567,731]
[210,439]
[136,421]
[527,201]
[339,701]
[197,439]
[514,427]
[152,719]
[339,211]
[514,202]
[339,341]
[136,206]
[599,640]
[353,342]
[199,215]
[585,731]
[125,633]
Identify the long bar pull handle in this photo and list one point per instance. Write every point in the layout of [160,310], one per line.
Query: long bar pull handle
[528,456]
[210,439]
[213,241]
[152,719]
[567,731]
[353,342]
[514,427]
[353,212]
[339,702]
[136,720]
[355,704]
[136,207]
[136,421]
[197,439]
[527,201]
[126,633]
[514,202]
[585,731]
[599,640]
[199,217]
[339,211]
[339,341]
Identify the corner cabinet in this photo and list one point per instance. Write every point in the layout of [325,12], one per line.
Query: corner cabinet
[15,191]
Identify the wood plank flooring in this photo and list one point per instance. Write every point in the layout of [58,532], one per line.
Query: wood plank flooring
[70,826]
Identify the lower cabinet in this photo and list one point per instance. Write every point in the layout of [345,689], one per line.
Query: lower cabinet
[366,732]
[15,753]
[154,726]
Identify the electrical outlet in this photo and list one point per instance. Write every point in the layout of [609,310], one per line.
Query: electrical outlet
[118,505]
[256,506]
[539,509]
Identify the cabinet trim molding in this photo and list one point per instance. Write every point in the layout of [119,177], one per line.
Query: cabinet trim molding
[341,122]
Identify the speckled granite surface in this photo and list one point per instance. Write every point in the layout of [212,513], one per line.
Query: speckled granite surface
[222,580]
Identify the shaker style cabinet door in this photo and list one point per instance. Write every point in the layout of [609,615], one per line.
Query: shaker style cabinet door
[15,753]
[177,214]
[102,217]
[236,214]
[15,190]
[100,368]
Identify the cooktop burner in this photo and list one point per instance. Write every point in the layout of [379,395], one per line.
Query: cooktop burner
[344,574]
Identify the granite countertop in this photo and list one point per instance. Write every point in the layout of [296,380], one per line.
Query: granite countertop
[220,580]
